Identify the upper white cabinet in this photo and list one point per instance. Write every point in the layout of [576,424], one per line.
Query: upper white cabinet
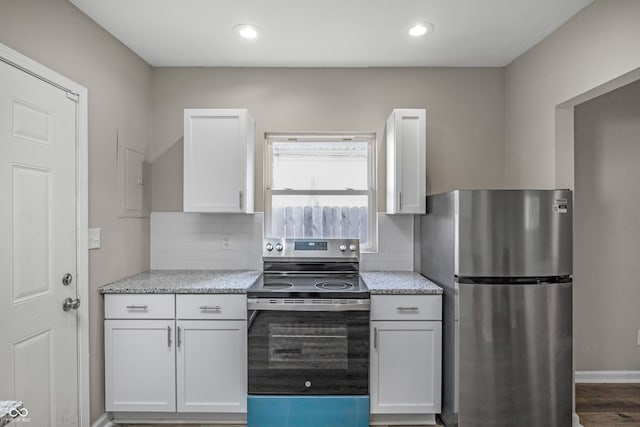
[406,162]
[218,160]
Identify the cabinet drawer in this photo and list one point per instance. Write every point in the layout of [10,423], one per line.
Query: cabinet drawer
[406,307]
[211,306]
[139,306]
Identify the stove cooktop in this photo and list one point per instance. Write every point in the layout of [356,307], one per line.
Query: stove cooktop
[288,285]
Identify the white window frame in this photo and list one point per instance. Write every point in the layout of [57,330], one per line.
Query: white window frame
[315,137]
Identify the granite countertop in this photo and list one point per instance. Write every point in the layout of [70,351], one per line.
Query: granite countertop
[5,408]
[399,283]
[185,282]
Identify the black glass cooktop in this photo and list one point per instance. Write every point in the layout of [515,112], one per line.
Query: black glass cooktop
[292,285]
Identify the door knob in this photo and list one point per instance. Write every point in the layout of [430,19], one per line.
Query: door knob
[70,303]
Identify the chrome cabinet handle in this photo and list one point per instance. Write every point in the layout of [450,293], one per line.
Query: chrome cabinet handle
[403,309]
[400,200]
[208,307]
[375,337]
[179,340]
[240,193]
[169,336]
[137,307]
[70,303]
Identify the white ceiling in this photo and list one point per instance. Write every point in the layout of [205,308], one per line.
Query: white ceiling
[330,33]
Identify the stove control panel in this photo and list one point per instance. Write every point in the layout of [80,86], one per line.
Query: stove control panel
[347,249]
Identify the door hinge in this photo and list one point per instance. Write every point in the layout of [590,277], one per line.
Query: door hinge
[73,96]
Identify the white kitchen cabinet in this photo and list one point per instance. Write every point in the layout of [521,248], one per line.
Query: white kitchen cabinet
[218,160]
[212,367]
[406,357]
[140,365]
[406,162]
[211,353]
[193,360]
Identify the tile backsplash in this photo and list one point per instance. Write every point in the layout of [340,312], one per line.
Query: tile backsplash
[194,241]
[395,245]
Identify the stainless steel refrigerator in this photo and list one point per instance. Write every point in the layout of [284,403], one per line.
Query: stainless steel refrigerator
[504,259]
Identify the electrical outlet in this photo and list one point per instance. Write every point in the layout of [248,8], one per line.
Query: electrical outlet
[226,243]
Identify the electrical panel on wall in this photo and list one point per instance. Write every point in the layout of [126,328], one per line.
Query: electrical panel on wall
[133,173]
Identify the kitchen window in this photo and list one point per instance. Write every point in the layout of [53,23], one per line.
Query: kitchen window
[321,185]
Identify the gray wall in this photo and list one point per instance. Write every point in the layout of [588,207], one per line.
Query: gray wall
[56,34]
[597,45]
[588,54]
[607,236]
[465,116]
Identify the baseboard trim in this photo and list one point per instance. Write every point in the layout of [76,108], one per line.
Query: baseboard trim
[615,377]
[103,421]
[576,420]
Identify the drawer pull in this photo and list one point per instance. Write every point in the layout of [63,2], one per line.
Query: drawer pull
[375,337]
[178,337]
[405,309]
[169,336]
[137,307]
[209,307]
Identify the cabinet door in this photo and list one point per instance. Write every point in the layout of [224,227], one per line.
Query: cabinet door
[218,160]
[212,365]
[140,365]
[406,162]
[405,367]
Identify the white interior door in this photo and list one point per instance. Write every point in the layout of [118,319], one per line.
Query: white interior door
[38,340]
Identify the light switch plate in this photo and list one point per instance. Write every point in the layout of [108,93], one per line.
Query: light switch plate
[94,238]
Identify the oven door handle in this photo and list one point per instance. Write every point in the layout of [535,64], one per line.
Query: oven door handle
[278,304]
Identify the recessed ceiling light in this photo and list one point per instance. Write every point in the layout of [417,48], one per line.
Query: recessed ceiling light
[246,31]
[421,29]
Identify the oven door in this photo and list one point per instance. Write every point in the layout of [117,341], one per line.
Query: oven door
[308,347]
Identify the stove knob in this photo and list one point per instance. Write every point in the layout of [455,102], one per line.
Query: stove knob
[343,247]
[352,247]
[279,247]
[269,247]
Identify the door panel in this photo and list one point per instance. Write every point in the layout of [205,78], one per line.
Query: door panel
[406,367]
[515,355]
[140,365]
[38,135]
[514,233]
[212,366]
[32,358]
[31,238]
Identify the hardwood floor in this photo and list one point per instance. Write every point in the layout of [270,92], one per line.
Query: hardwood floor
[605,405]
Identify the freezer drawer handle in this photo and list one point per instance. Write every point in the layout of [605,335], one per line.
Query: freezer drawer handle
[406,309]
[208,307]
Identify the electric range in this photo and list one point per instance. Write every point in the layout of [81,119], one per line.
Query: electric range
[308,336]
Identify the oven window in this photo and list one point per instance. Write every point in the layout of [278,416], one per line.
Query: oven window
[308,352]
[294,346]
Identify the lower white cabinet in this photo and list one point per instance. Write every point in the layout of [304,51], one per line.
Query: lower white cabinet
[211,364]
[406,355]
[140,365]
[184,365]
